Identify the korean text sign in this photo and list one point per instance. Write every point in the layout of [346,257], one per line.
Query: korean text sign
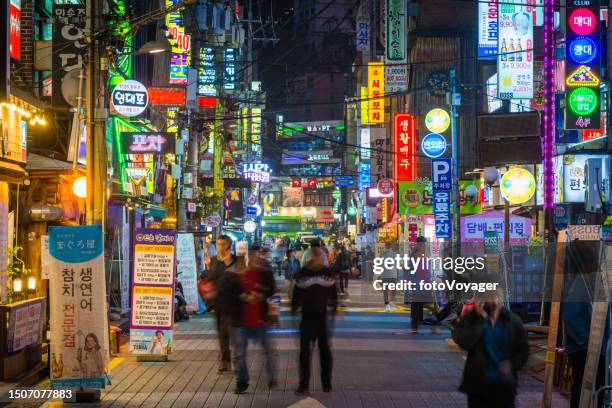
[515,50]
[77,293]
[376,91]
[396,69]
[180,56]
[152,291]
[147,142]
[441,186]
[487,30]
[582,68]
[405,147]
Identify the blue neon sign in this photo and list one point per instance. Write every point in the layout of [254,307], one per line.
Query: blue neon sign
[583,50]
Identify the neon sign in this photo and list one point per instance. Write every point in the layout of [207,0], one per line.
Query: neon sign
[582,21]
[583,50]
[583,101]
[433,145]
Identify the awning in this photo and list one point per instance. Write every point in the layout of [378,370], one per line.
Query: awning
[11,172]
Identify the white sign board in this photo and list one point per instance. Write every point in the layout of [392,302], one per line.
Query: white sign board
[186,268]
[487,30]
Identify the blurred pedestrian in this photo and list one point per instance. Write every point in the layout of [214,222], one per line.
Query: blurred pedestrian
[497,348]
[219,264]
[315,294]
[421,274]
[342,266]
[251,323]
[389,275]
[290,267]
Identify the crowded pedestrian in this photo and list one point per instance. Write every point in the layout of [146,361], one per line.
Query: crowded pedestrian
[250,318]
[497,348]
[389,275]
[315,295]
[219,264]
[342,266]
[419,297]
[290,267]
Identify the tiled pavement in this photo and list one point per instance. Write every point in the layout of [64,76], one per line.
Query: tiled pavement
[377,363]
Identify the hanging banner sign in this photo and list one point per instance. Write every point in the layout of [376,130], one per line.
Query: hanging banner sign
[405,147]
[207,72]
[15,29]
[187,269]
[152,291]
[379,161]
[376,89]
[396,59]
[441,186]
[68,46]
[77,294]
[147,142]
[515,50]
[487,30]
[583,61]
[180,57]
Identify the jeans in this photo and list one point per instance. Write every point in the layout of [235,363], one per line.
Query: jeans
[344,276]
[223,333]
[240,341]
[416,314]
[309,333]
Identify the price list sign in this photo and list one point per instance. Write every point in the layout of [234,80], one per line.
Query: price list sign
[153,291]
[582,67]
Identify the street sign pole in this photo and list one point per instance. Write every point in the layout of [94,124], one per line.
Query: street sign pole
[454,102]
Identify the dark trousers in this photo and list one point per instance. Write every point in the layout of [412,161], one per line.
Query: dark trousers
[578,361]
[312,332]
[416,314]
[223,333]
[344,276]
[498,396]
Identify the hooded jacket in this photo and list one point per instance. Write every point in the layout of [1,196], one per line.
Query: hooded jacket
[315,292]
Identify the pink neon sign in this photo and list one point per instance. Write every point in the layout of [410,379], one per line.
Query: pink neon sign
[582,21]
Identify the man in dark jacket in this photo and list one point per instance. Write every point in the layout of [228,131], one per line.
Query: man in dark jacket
[497,349]
[314,293]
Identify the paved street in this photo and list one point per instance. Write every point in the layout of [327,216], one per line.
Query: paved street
[377,363]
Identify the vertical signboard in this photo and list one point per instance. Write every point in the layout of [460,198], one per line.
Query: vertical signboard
[362,37]
[15,29]
[405,147]
[441,187]
[582,65]
[77,294]
[363,105]
[67,46]
[515,50]
[229,69]
[378,153]
[180,43]
[396,59]
[207,74]
[364,142]
[152,292]
[376,89]
[364,175]
[487,30]
[187,269]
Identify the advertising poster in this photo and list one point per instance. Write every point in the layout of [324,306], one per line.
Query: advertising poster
[77,294]
[376,89]
[396,56]
[152,292]
[25,327]
[487,30]
[186,269]
[515,50]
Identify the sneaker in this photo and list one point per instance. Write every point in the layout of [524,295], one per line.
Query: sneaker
[241,388]
[302,392]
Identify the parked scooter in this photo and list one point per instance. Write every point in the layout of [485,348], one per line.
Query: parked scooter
[180,304]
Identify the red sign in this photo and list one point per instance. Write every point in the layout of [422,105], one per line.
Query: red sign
[582,21]
[591,134]
[405,147]
[207,101]
[385,186]
[296,182]
[15,29]
[166,96]
[312,182]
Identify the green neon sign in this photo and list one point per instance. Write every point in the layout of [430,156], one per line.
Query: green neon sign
[583,101]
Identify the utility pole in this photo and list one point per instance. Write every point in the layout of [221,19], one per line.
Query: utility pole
[96,116]
[455,100]
[191,164]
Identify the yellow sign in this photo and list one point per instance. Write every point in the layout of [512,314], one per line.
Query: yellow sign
[437,120]
[582,76]
[517,185]
[376,89]
[363,105]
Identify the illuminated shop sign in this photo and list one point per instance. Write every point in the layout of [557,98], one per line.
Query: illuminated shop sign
[180,43]
[405,147]
[376,89]
[433,145]
[15,29]
[129,98]
[207,72]
[487,30]
[583,55]
[437,120]
[229,69]
[257,172]
[515,50]
[147,142]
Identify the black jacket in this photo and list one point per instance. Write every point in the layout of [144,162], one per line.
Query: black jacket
[314,293]
[468,334]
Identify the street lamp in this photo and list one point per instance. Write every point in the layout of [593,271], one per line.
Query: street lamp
[79,187]
[154,47]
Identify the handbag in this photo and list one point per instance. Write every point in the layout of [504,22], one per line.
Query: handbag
[207,289]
